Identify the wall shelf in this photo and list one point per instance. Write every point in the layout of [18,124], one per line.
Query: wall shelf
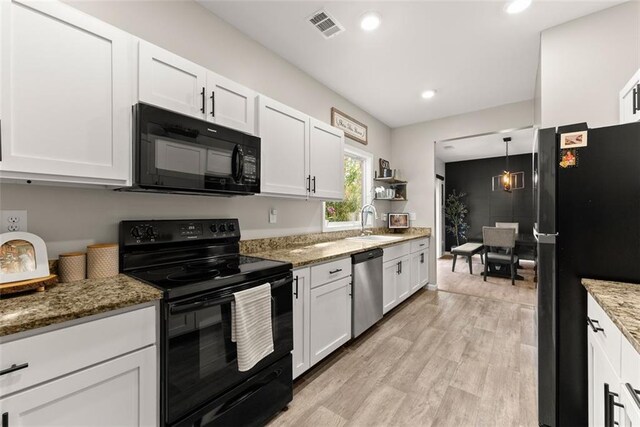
[390,180]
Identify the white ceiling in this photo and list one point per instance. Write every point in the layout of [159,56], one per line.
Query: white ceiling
[474,54]
[481,147]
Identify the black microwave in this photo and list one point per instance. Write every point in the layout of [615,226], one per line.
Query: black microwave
[174,153]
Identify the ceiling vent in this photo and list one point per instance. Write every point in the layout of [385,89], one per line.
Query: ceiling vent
[326,24]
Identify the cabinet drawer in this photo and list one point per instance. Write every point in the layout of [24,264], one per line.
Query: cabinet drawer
[396,251]
[330,271]
[610,337]
[419,245]
[55,353]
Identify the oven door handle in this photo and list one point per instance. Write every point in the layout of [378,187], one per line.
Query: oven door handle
[199,305]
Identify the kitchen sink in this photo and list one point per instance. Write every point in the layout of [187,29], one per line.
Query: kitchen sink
[375,238]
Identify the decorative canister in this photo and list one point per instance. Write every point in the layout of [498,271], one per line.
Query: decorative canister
[102,260]
[72,266]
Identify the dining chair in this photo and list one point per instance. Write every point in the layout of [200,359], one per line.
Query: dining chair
[514,225]
[495,238]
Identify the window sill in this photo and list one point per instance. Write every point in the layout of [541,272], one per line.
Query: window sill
[343,226]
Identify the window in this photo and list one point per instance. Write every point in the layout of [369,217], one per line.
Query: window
[345,215]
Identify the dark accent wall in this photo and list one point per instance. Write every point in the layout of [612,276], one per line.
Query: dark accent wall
[487,207]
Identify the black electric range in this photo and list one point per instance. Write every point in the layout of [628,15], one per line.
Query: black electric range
[196,263]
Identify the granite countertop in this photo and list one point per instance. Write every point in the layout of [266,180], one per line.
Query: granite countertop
[324,251]
[621,302]
[69,301]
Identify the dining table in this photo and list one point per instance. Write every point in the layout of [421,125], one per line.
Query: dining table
[526,245]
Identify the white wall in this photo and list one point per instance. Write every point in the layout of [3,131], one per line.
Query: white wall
[68,218]
[413,152]
[585,63]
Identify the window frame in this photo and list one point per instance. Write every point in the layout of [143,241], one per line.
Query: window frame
[367,192]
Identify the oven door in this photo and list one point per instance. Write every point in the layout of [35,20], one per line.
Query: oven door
[183,154]
[199,359]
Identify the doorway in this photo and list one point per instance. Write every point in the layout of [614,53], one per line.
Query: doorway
[439,216]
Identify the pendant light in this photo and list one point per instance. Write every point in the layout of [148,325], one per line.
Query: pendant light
[506,175]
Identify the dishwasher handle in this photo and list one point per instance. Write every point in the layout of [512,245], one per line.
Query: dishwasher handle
[366,256]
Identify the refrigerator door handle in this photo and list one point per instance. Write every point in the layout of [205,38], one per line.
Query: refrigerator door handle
[544,237]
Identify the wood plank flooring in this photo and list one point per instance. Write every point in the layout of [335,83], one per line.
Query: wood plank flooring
[461,282]
[439,359]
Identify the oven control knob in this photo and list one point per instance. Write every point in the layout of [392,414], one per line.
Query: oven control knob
[222,228]
[213,228]
[136,232]
[231,227]
[151,233]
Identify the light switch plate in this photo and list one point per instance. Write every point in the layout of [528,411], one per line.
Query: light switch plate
[273,216]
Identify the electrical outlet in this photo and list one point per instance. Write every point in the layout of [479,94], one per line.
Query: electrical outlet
[13,221]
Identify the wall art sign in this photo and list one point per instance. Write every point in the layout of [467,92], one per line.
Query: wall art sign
[573,140]
[352,128]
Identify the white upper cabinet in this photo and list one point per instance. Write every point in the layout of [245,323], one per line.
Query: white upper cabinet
[169,81]
[284,134]
[630,100]
[326,161]
[67,91]
[301,156]
[230,104]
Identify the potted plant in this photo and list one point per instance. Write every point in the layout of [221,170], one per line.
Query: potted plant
[455,211]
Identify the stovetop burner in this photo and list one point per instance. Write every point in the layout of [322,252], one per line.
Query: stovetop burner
[205,274]
[189,257]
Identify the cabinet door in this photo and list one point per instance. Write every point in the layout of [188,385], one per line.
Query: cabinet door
[330,318]
[120,392]
[301,317]
[169,81]
[414,276]
[602,376]
[67,94]
[424,269]
[284,149]
[403,281]
[630,98]
[230,104]
[389,278]
[326,161]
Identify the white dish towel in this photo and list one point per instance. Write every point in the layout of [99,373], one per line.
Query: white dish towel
[251,327]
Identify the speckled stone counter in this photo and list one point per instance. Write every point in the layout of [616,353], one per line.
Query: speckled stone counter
[311,253]
[621,302]
[69,301]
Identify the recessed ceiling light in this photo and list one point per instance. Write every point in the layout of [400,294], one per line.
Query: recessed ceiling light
[370,21]
[517,6]
[427,94]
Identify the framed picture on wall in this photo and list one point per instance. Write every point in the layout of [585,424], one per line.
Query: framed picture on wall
[352,128]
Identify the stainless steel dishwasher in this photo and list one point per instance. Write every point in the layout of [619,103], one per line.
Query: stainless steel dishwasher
[367,290]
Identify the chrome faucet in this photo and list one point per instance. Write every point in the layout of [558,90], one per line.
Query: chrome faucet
[366,207]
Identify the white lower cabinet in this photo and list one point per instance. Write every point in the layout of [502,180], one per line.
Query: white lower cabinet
[119,392]
[614,373]
[603,381]
[419,270]
[100,372]
[330,318]
[396,276]
[630,384]
[301,319]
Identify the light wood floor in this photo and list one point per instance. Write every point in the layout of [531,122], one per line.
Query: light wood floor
[461,282]
[439,359]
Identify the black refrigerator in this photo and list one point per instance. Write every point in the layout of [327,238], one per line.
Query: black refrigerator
[588,225]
